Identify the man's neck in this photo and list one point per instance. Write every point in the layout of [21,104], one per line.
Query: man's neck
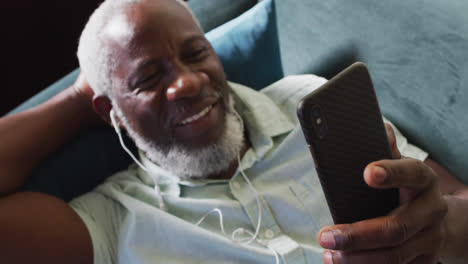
[229,173]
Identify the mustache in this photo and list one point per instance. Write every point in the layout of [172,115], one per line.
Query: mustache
[184,106]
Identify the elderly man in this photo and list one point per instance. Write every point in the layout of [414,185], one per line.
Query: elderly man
[212,185]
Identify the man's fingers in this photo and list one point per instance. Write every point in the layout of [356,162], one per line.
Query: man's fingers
[403,236]
[387,231]
[420,248]
[392,141]
[404,173]
[376,233]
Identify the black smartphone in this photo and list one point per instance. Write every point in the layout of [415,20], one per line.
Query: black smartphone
[344,129]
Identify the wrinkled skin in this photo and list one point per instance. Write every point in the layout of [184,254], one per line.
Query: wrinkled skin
[166,72]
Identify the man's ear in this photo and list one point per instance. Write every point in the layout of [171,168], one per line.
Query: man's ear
[102,106]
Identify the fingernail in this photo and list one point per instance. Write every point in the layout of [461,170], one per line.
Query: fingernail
[327,240]
[380,175]
[328,257]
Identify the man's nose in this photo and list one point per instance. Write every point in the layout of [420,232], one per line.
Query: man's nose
[187,84]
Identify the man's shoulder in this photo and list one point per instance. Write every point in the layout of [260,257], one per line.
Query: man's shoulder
[292,88]
[119,183]
[287,92]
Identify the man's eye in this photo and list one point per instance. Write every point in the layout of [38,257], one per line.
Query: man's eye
[198,54]
[147,82]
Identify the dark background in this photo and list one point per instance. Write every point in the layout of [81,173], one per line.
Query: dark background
[39,41]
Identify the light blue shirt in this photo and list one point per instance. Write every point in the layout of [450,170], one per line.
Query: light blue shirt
[127,226]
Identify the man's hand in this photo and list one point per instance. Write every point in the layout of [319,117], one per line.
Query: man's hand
[84,95]
[413,233]
[29,137]
[82,88]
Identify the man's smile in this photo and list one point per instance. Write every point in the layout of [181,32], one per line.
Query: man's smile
[196,117]
[198,124]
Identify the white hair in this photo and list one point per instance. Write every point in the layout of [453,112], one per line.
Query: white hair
[95,55]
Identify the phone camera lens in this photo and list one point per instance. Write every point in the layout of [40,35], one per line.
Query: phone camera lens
[318,121]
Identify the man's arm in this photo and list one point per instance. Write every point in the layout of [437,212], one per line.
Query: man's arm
[455,194]
[429,225]
[34,227]
[29,137]
[449,184]
[37,228]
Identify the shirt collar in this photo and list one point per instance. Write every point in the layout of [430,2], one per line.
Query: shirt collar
[262,118]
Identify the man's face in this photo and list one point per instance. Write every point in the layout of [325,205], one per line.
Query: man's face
[170,92]
[169,83]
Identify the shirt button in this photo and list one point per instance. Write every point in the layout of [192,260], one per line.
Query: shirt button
[269,234]
[236,185]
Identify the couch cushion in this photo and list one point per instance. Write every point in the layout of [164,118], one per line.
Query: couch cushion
[213,13]
[48,92]
[88,160]
[248,46]
[417,52]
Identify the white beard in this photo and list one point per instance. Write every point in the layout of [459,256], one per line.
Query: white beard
[194,164]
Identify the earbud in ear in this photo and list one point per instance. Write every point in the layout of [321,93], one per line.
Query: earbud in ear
[162,206]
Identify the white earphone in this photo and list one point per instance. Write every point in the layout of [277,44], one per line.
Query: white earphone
[113,118]
[234,236]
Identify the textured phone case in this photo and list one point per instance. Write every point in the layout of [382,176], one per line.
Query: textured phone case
[354,136]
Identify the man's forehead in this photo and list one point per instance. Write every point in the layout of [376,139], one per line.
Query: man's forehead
[130,21]
[120,29]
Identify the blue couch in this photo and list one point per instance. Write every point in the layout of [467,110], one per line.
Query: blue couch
[417,52]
